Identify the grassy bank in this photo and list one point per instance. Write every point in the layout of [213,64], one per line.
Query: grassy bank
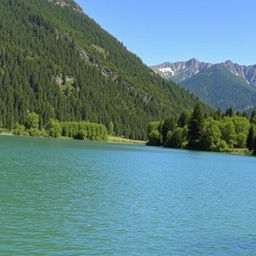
[114,139]
[110,139]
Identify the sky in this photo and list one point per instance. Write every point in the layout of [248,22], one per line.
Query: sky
[178,30]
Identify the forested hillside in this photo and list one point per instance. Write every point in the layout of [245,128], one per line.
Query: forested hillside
[57,62]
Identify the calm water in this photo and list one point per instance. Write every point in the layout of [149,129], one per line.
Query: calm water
[75,198]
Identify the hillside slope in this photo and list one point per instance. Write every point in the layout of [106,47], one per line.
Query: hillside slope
[58,62]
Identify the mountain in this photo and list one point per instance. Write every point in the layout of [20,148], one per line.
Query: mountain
[180,71]
[221,85]
[59,63]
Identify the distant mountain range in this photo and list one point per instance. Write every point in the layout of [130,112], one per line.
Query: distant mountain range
[221,85]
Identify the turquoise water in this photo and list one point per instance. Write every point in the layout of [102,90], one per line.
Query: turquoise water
[65,197]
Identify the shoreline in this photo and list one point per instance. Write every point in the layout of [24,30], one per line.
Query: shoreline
[110,139]
[122,140]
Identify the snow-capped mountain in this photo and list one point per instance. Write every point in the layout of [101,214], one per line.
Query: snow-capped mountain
[181,71]
[221,85]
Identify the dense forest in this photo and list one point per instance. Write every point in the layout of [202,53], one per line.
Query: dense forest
[196,130]
[57,62]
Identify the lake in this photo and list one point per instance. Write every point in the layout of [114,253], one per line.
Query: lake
[66,197]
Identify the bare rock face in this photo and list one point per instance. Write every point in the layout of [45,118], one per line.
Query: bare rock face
[180,71]
[248,73]
[68,3]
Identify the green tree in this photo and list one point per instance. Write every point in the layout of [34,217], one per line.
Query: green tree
[183,119]
[54,128]
[195,128]
[217,115]
[154,138]
[250,138]
[253,117]
[19,130]
[168,125]
[177,138]
[254,147]
[211,135]
[153,125]
[245,115]
[81,135]
[228,133]
[242,126]
[229,112]
[111,128]
[32,121]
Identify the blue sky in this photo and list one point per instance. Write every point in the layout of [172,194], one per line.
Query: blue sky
[175,30]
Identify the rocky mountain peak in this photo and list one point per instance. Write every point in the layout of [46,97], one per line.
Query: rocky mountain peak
[180,71]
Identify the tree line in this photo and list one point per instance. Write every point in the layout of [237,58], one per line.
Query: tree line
[83,130]
[196,130]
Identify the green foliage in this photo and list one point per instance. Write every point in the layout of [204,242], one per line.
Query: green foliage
[34,132]
[32,121]
[250,138]
[229,112]
[20,130]
[111,128]
[211,135]
[254,147]
[253,117]
[154,125]
[195,128]
[228,133]
[81,135]
[184,119]
[221,146]
[77,130]
[168,125]
[242,126]
[177,138]
[154,138]
[216,132]
[84,130]
[154,134]
[54,128]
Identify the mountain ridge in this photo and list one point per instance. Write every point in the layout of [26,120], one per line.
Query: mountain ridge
[180,71]
[222,85]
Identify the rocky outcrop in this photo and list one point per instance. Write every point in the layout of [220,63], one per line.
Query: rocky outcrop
[68,3]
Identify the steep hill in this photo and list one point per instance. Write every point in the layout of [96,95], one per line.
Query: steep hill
[58,62]
[221,85]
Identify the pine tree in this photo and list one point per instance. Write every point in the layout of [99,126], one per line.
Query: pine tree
[229,112]
[195,128]
[253,117]
[168,125]
[254,147]
[183,119]
[250,138]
